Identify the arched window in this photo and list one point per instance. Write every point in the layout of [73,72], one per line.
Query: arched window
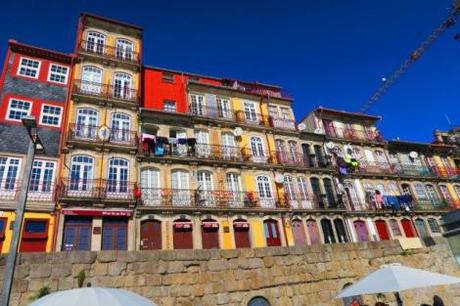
[121,125]
[150,186]
[202,143]
[122,86]
[432,194]
[180,193]
[81,173]
[257,149]
[434,225]
[95,42]
[233,183]
[289,188]
[124,49]
[265,191]
[91,80]
[258,301]
[206,196]
[229,148]
[118,175]
[86,123]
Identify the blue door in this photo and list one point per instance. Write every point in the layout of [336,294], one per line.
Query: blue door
[77,234]
[115,234]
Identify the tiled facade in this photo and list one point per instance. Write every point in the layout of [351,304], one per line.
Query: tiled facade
[153,158]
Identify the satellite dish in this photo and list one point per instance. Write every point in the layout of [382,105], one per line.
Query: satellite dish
[302,126]
[413,154]
[238,131]
[279,178]
[103,133]
[330,145]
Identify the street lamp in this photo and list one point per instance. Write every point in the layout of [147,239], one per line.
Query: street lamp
[35,145]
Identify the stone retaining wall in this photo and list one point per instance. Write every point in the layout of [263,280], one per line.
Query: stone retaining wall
[284,275]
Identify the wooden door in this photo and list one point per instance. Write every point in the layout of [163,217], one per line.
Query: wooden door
[151,235]
[313,232]
[382,229]
[34,235]
[183,236]
[421,228]
[241,233]
[115,234]
[210,237]
[299,232]
[361,231]
[272,233]
[407,227]
[77,234]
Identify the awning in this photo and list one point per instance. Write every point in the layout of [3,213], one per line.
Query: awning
[98,212]
[182,224]
[240,224]
[210,224]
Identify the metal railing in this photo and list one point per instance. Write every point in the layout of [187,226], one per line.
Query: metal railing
[281,123]
[354,134]
[39,190]
[107,91]
[252,118]
[427,204]
[211,112]
[89,133]
[413,170]
[292,159]
[97,189]
[104,50]
[446,172]
[366,167]
[306,201]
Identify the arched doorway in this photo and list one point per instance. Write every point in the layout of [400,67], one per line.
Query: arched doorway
[328,232]
[183,234]
[272,234]
[299,232]
[408,228]
[313,232]
[151,235]
[361,231]
[340,230]
[241,233]
[210,234]
[382,229]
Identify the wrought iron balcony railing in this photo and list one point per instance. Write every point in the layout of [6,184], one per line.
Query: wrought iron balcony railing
[118,53]
[39,190]
[433,204]
[292,159]
[107,91]
[307,201]
[91,133]
[376,168]
[446,172]
[281,123]
[354,134]
[253,118]
[79,188]
[211,112]
[413,170]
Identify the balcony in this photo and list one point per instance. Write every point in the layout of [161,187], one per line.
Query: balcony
[215,199]
[446,172]
[97,189]
[211,112]
[308,202]
[251,118]
[435,204]
[292,159]
[116,93]
[354,134]
[376,168]
[39,191]
[89,134]
[413,170]
[109,52]
[281,123]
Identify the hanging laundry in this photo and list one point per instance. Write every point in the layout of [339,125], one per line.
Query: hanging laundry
[378,199]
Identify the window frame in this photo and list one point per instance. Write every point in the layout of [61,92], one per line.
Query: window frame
[38,235]
[7,116]
[41,183]
[28,76]
[169,102]
[42,113]
[66,77]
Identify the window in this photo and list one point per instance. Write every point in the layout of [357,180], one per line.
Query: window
[124,49]
[121,124]
[9,168]
[257,147]
[167,77]
[42,176]
[81,173]
[250,111]
[434,225]
[302,186]
[204,179]
[169,106]
[289,188]
[58,74]
[150,186]
[86,126]
[395,227]
[457,190]
[223,108]
[118,175]
[285,113]
[29,68]
[122,86]
[432,194]
[233,182]
[18,109]
[420,191]
[197,105]
[91,79]
[36,226]
[51,115]
[95,42]
[264,188]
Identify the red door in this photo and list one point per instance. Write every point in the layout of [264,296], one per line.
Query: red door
[34,235]
[272,233]
[299,232]
[210,235]
[183,235]
[241,233]
[151,235]
[361,231]
[382,229]
[313,232]
[407,227]
[3,222]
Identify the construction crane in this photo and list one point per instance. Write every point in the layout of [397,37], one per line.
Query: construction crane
[451,19]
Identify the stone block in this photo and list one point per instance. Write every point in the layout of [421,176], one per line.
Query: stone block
[116,268]
[40,271]
[217,265]
[61,270]
[81,257]
[175,267]
[100,269]
[230,253]
[107,256]
[67,283]
[20,272]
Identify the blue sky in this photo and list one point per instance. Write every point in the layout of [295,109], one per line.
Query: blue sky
[329,53]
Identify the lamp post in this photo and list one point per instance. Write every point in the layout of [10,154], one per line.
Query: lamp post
[35,144]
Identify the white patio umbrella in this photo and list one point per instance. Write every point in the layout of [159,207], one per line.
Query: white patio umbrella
[394,278]
[93,296]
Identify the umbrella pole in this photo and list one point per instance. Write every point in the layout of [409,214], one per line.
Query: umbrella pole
[398,299]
